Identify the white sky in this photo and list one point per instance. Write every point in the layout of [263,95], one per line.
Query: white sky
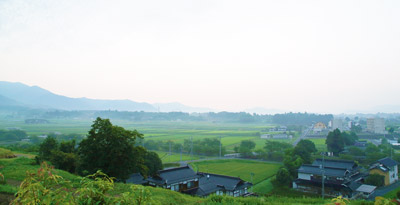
[310,55]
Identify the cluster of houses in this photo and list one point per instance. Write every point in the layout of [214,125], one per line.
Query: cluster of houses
[186,180]
[339,177]
[343,177]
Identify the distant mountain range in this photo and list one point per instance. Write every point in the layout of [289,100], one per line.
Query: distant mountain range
[18,95]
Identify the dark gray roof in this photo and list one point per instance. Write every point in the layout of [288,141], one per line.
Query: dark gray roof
[353,185]
[210,183]
[388,162]
[329,171]
[335,163]
[136,178]
[173,175]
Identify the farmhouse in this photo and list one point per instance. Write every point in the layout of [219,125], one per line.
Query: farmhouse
[221,184]
[342,177]
[182,179]
[386,167]
[186,180]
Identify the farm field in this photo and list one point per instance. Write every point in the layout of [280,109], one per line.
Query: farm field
[175,157]
[239,168]
[231,133]
[319,143]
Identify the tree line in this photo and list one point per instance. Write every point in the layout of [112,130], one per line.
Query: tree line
[227,117]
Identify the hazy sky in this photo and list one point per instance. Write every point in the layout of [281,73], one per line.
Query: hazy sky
[316,56]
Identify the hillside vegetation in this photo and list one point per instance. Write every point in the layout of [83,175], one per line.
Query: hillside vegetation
[87,190]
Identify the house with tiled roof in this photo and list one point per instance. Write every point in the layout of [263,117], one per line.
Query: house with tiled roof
[221,184]
[341,177]
[386,167]
[181,179]
[186,180]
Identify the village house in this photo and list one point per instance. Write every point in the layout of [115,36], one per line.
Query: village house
[186,180]
[342,177]
[386,167]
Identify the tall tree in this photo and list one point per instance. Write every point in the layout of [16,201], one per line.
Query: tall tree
[304,149]
[111,149]
[246,147]
[46,148]
[334,141]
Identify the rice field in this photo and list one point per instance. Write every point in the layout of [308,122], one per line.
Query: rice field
[319,144]
[239,168]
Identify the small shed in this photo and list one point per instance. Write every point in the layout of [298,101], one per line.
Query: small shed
[366,190]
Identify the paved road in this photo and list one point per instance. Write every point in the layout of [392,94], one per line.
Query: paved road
[303,136]
[384,190]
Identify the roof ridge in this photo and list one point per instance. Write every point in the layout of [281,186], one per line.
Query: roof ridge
[336,160]
[220,175]
[317,166]
[174,168]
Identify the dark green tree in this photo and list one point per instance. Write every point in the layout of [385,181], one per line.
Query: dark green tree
[334,141]
[275,150]
[111,149]
[246,147]
[46,148]
[282,178]
[304,149]
[153,163]
[292,162]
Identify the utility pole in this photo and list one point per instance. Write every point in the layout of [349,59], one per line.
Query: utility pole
[323,175]
[220,146]
[181,153]
[170,150]
[251,175]
[191,148]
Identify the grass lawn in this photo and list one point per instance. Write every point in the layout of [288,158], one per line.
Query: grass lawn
[239,168]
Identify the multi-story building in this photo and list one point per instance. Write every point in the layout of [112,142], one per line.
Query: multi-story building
[376,125]
[337,124]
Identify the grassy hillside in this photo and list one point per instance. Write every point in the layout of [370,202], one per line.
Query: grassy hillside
[15,170]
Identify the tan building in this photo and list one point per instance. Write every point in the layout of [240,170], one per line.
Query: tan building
[386,167]
[319,126]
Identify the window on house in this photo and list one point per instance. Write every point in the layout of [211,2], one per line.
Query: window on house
[175,187]
[190,184]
